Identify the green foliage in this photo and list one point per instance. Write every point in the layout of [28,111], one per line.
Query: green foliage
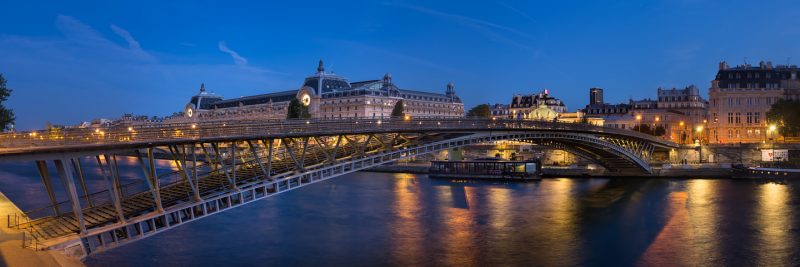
[6,115]
[297,110]
[398,110]
[480,111]
[785,114]
[655,131]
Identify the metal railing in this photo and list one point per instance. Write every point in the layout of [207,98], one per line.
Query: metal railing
[187,132]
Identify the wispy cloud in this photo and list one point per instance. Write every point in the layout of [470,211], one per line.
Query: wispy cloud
[516,10]
[497,32]
[132,43]
[239,60]
[392,54]
[113,78]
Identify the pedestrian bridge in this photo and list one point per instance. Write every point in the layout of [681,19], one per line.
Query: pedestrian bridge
[222,165]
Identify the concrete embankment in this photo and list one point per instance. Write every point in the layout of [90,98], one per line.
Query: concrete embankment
[13,254]
[677,171]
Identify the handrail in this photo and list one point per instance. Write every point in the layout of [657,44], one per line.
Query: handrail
[188,131]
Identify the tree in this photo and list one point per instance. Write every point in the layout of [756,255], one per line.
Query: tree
[297,110]
[480,111]
[785,115]
[398,110]
[6,115]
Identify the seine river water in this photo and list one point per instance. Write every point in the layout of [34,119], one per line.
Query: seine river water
[376,219]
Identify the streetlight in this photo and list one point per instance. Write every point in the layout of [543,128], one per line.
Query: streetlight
[639,122]
[683,132]
[700,144]
[771,135]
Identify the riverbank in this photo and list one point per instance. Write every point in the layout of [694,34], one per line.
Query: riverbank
[12,253]
[711,171]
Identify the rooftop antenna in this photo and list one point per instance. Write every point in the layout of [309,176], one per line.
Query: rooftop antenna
[331,67]
[745,60]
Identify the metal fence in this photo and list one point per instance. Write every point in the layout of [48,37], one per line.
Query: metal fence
[188,132]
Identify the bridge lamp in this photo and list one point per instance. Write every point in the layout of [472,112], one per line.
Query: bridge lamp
[130,129]
[308,122]
[699,128]
[681,123]
[194,126]
[406,117]
[33,134]
[638,117]
[379,122]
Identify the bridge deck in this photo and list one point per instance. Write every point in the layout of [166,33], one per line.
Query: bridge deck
[88,141]
[210,184]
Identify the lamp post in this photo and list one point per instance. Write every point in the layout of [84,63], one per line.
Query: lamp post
[771,136]
[700,143]
[639,123]
[683,132]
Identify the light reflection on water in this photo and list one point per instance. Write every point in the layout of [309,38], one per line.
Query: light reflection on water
[367,219]
[775,217]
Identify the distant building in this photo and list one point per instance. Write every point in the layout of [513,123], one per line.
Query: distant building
[328,95]
[500,111]
[741,96]
[595,96]
[676,110]
[539,106]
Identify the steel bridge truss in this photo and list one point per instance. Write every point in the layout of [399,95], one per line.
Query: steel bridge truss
[211,177]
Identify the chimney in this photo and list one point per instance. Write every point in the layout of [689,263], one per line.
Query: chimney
[723,65]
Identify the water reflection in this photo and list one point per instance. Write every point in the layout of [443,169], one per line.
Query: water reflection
[558,227]
[704,221]
[459,234]
[774,222]
[408,237]
[369,219]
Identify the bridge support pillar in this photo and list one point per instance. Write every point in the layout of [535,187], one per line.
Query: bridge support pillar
[154,180]
[41,165]
[257,158]
[113,183]
[76,165]
[69,184]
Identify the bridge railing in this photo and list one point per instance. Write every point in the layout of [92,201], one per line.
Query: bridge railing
[166,132]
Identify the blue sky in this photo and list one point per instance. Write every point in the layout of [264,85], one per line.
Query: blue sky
[75,61]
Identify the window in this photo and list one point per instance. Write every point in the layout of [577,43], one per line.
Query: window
[730,117]
[757,117]
[749,118]
[738,118]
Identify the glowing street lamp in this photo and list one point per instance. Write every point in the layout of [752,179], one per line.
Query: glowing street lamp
[639,122]
[700,143]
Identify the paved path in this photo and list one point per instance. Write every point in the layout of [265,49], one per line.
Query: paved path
[11,252]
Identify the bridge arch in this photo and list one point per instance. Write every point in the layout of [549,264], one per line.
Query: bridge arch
[252,161]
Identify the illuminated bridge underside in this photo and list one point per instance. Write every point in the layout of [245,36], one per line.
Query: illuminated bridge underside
[222,172]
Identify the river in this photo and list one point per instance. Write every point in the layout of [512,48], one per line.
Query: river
[369,219]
